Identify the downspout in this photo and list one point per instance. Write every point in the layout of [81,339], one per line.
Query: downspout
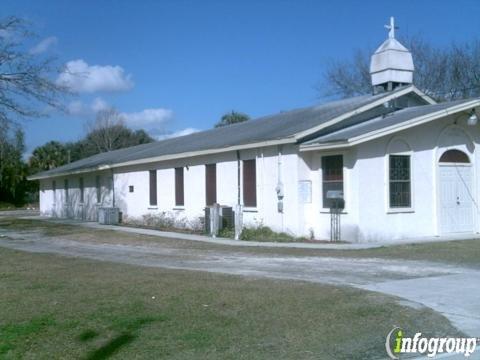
[238,177]
[238,209]
[113,189]
[279,188]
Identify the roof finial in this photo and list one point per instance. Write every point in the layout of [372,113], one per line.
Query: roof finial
[391,28]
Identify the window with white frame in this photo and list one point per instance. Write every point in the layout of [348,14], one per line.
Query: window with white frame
[400,194]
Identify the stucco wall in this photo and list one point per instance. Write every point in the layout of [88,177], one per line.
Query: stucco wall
[366,217]
[136,204]
[54,203]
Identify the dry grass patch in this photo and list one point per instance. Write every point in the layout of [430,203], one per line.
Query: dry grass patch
[56,307]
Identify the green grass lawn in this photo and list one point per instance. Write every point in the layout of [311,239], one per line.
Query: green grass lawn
[54,307]
[7,206]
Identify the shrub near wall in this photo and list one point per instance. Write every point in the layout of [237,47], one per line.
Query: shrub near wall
[166,221]
[264,233]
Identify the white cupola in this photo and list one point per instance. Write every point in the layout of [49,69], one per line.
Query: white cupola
[392,64]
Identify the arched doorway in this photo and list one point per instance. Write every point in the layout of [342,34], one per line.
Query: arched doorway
[456,192]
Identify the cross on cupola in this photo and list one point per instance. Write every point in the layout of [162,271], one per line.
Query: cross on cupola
[392,64]
[391,28]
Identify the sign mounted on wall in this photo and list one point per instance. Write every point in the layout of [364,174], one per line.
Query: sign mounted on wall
[305,191]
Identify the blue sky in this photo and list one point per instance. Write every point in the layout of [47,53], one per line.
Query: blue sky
[176,65]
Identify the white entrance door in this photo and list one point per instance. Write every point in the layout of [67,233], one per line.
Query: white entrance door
[456,198]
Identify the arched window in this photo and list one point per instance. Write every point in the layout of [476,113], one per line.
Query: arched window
[454,156]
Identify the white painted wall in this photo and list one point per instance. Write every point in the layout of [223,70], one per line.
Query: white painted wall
[54,203]
[136,204]
[366,217]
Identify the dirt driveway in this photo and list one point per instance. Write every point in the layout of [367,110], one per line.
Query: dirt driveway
[452,291]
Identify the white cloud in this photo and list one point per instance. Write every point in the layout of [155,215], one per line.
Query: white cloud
[182,132]
[81,77]
[153,120]
[98,104]
[78,107]
[148,117]
[5,34]
[44,45]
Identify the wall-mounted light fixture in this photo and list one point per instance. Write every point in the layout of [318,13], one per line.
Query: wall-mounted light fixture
[473,118]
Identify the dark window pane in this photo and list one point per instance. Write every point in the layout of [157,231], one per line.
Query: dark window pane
[211,184]
[80,185]
[400,194]
[66,189]
[400,187]
[153,187]
[98,186]
[332,168]
[179,187]
[455,156]
[399,167]
[249,183]
[332,177]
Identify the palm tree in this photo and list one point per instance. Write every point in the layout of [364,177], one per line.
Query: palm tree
[233,117]
[51,155]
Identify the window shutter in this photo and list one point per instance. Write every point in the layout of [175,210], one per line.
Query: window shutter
[82,192]
[98,186]
[179,187]
[249,183]
[153,187]
[211,184]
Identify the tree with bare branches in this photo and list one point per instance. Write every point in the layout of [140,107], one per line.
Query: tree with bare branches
[106,133]
[27,81]
[444,73]
[27,89]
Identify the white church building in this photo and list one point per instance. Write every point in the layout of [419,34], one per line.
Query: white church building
[407,166]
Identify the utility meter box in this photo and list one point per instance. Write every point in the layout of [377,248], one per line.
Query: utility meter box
[336,196]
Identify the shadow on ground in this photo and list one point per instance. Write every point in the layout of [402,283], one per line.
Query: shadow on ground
[114,345]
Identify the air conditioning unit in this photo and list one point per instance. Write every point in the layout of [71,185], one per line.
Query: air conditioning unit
[225,218]
[108,215]
[226,215]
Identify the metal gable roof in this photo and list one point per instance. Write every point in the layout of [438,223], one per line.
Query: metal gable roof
[382,122]
[282,126]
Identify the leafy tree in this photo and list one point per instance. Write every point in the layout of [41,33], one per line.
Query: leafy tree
[233,117]
[51,155]
[108,132]
[447,73]
[13,170]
